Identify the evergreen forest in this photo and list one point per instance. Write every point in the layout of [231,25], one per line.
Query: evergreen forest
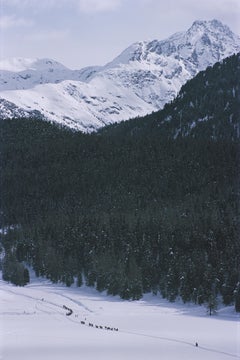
[147,205]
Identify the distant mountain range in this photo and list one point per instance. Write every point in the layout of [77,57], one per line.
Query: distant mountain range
[140,80]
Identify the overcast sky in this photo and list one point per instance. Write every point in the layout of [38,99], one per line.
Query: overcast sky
[79,33]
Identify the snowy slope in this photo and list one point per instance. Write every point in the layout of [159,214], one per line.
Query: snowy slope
[34,325]
[140,80]
[156,70]
[20,73]
[79,105]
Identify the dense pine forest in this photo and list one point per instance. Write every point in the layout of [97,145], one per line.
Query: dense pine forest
[148,205]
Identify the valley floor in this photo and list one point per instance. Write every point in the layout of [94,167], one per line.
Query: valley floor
[43,321]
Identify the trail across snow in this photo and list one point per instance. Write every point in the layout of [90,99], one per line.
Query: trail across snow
[34,325]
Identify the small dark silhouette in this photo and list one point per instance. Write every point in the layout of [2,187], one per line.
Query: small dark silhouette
[196,344]
[68,309]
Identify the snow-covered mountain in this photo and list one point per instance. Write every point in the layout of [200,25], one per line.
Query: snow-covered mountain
[21,74]
[140,80]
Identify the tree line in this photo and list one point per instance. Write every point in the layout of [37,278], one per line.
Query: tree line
[133,208]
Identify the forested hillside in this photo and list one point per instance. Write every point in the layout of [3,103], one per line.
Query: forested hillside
[206,107]
[147,205]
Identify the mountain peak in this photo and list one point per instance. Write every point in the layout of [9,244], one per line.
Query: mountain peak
[210,25]
[140,80]
[16,64]
[204,23]
[20,64]
[131,53]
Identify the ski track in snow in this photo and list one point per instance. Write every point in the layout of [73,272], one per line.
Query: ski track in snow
[42,303]
[50,300]
[79,303]
[180,342]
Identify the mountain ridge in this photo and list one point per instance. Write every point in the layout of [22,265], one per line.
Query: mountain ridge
[207,106]
[140,80]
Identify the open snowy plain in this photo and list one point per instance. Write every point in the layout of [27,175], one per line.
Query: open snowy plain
[34,325]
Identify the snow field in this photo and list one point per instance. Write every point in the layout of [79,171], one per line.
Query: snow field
[34,325]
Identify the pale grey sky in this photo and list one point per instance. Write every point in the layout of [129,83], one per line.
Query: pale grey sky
[79,33]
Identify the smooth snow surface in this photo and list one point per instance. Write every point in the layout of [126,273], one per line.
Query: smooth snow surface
[34,326]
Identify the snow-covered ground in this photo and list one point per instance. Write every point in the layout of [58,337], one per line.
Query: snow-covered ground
[34,326]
